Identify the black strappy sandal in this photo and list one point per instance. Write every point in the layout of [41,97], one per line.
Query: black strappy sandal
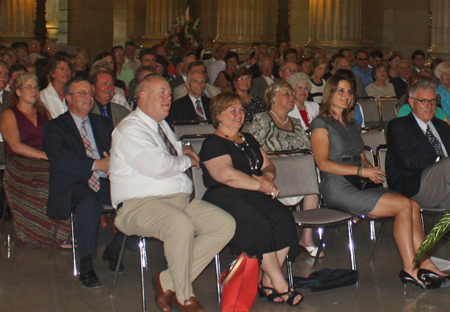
[292,294]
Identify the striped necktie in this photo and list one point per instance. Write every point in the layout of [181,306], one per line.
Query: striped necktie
[94,181]
[199,110]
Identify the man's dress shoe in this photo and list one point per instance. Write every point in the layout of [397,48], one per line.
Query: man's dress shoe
[112,260]
[163,298]
[90,280]
[190,305]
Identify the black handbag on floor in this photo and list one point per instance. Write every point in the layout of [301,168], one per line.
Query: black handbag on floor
[327,279]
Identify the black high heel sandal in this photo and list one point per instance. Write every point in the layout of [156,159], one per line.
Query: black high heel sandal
[430,277]
[292,294]
[270,297]
[406,277]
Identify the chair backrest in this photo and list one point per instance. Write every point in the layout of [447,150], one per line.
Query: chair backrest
[374,138]
[370,110]
[381,152]
[197,178]
[196,140]
[192,129]
[388,108]
[296,175]
[368,151]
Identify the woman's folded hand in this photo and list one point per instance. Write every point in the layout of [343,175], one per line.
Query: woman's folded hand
[375,174]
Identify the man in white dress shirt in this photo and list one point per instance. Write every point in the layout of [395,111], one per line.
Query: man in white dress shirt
[148,177]
[219,65]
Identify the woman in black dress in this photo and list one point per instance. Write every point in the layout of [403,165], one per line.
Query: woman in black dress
[239,177]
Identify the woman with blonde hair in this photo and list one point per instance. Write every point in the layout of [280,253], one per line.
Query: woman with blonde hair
[26,177]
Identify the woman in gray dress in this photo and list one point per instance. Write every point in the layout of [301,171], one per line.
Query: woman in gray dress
[338,151]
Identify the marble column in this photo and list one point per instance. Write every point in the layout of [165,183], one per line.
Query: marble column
[17,19]
[335,24]
[440,29]
[239,23]
[160,16]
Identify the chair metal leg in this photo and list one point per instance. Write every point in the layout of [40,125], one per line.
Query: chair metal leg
[50,253]
[289,272]
[144,246]
[316,259]
[116,272]
[351,244]
[373,234]
[423,223]
[143,251]
[375,248]
[74,252]
[218,271]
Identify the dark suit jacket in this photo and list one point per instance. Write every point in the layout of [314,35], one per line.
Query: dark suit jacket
[399,86]
[259,86]
[183,109]
[118,112]
[409,153]
[69,164]
[176,82]
[256,72]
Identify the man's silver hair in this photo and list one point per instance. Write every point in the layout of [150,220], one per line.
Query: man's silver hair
[423,85]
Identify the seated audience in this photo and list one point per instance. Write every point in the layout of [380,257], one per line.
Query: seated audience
[242,81]
[348,55]
[26,177]
[240,179]
[375,57]
[60,69]
[223,80]
[141,72]
[123,73]
[210,90]
[131,61]
[77,145]
[273,55]
[261,51]
[344,63]
[442,72]
[162,68]
[103,90]
[339,151]
[418,61]
[14,71]
[356,111]
[219,65]
[260,84]
[393,60]
[380,86]
[81,60]
[317,81]
[303,110]
[400,83]
[155,196]
[276,131]
[287,70]
[305,65]
[193,106]
[186,59]
[362,69]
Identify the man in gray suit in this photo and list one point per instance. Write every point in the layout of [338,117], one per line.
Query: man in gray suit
[261,83]
[4,95]
[103,88]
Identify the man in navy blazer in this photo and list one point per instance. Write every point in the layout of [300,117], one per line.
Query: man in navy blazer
[417,162]
[71,169]
[185,108]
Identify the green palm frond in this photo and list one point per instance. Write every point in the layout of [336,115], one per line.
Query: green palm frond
[441,227]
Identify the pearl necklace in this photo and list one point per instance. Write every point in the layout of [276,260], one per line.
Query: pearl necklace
[282,123]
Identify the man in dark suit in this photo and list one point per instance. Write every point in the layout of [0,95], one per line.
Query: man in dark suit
[401,82]
[77,144]
[417,162]
[261,51]
[103,87]
[193,106]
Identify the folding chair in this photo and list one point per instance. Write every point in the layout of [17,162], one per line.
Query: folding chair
[199,191]
[297,176]
[373,138]
[388,108]
[370,108]
[192,127]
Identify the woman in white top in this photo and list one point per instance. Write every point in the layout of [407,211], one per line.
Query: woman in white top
[304,110]
[61,69]
[319,65]
[380,86]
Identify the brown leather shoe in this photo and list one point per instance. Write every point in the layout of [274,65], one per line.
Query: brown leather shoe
[163,299]
[190,305]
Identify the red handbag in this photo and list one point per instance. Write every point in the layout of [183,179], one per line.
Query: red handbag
[240,284]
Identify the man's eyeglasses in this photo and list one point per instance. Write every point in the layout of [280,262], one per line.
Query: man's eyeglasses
[426,102]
